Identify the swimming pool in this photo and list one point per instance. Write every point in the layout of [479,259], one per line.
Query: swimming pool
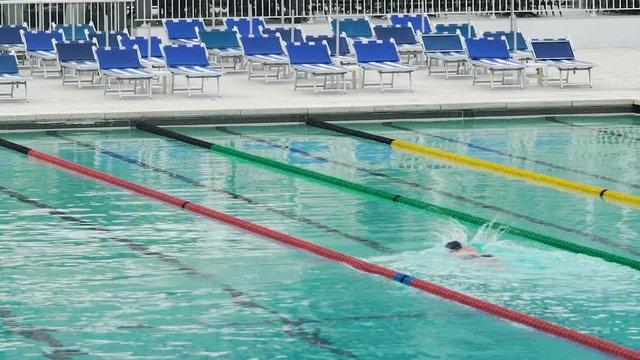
[92,271]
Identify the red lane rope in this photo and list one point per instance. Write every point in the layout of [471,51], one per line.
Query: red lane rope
[497,310]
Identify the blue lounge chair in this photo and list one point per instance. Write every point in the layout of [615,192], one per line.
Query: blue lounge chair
[467,30]
[404,37]
[519,52]
[77,58]
[223,45]
[448,48]
[192,62]
[183,31]
[381,56]
[103,39]
[339,48]
[419,22]
[123,64]
[40,49]
[245,26]
[288,34]
[314,59]
[11,38]
[76,32]
[559,54]
[267,51]
[493,55]
[10,75]
[353,28]
[150,57]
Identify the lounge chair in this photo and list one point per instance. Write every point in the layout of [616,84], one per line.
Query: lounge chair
[77,58]
[123,64]
[76,32]
[267,51]
[493,55]
[419,22]
[11,38]
[223,45]
[245,26]
[404,37]
[559,54]
[150,57]
[353,28]
[467,30]
[192,62]
[448,48]
[314,59]
[40,50]
[10,75]
[289,34]
[103,39]
[339,48]
[519,52]
[183,31]
[381,56]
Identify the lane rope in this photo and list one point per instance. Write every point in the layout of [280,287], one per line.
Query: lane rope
[481,164]
[438,290]
[382,194]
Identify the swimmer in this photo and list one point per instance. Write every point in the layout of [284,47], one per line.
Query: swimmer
[468,252]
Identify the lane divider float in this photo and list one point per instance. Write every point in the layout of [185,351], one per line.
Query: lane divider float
[593,342]
[397,198]
[483,164]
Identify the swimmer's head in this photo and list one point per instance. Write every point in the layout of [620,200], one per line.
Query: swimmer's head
[454,245]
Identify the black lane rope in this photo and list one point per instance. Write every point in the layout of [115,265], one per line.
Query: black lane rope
[59,352]
[370,243]
[599,130]
[402,181]
[289,326]
[498,152]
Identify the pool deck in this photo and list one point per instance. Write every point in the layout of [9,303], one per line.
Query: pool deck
[616,89]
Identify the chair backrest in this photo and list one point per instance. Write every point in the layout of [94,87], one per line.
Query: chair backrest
[285,33]
[309,53]
[41,40]
[353,28]
[487,48]
[185,55]
[442,42]
[552,49]
[118,57]
[508,35]
[376,51]
[466,30]
[182,29]
[80,50]
[80,33]
[331,42]
[420,22]
[262,45]
[402,34]
[244,25]
[143,45]
[10,34]
[8,64]
[219,39]
[100,37]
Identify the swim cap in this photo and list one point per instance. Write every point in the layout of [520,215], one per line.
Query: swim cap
[453,245]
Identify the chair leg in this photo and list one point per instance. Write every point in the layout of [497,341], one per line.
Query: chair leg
[188,87]
[315,89]
[411,82]
[491,70]
[26,95]
[381,83]
[344,83]
[120,89]
[363,72]
[590,84]
[219,89]
[295,80]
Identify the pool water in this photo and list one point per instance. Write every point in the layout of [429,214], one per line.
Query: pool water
[93,271]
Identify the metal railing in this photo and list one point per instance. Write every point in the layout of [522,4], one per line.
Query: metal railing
[120,14]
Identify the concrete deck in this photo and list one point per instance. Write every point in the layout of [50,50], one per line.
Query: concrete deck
[615,82]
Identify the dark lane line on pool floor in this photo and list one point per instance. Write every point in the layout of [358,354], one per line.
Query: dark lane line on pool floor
[59,352]
[553,119]
[370,243]
[289,326]
[498,152]
[402,181]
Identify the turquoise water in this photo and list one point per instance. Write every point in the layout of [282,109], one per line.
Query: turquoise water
[92,271]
